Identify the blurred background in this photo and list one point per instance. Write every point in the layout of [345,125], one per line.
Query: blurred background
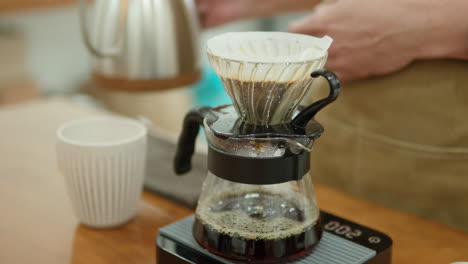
[383,151]
[42,54]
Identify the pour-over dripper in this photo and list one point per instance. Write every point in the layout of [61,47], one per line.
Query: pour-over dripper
[266,74]
[258,202]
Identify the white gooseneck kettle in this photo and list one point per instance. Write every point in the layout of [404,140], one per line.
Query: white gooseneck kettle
[141,45]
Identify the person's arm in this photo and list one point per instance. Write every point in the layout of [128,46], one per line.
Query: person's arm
[375,37]
[371,37]
[448,31]
[217,12]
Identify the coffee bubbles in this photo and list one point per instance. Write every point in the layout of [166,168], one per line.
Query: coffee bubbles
[256,225]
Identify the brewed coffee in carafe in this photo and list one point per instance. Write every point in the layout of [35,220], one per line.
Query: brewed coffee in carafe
[258,202]
[264,223]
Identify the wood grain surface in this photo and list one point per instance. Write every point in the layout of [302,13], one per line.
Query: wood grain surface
[16,5]
[38,226]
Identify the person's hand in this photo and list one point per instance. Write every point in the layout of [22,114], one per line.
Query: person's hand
[375,37]
[213,13]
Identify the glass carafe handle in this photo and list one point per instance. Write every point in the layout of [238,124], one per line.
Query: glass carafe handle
[303,118]
[186,144]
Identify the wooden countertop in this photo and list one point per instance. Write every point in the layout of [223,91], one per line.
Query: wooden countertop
[16,5]
[38,226]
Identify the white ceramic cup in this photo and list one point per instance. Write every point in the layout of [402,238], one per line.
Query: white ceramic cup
[103,161]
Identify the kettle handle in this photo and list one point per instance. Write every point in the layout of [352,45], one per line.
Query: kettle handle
[186,144]
[303,118]
[111,52]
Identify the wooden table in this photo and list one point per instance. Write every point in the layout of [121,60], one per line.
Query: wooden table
[38,226]
[19,5]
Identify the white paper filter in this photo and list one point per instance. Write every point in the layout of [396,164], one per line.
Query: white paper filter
[267,74]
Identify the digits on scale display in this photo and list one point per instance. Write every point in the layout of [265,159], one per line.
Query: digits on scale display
[342,230]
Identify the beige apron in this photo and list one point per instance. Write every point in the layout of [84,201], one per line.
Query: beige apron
[401,140]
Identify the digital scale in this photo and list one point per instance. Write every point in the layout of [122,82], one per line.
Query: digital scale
[343,242]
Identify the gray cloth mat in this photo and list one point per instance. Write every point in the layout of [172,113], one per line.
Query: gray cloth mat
[160,176]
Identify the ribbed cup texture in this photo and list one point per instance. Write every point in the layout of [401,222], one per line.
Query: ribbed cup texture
[266,74]
[104,183]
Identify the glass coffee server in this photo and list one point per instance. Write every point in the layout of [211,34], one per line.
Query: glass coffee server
[258,202]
